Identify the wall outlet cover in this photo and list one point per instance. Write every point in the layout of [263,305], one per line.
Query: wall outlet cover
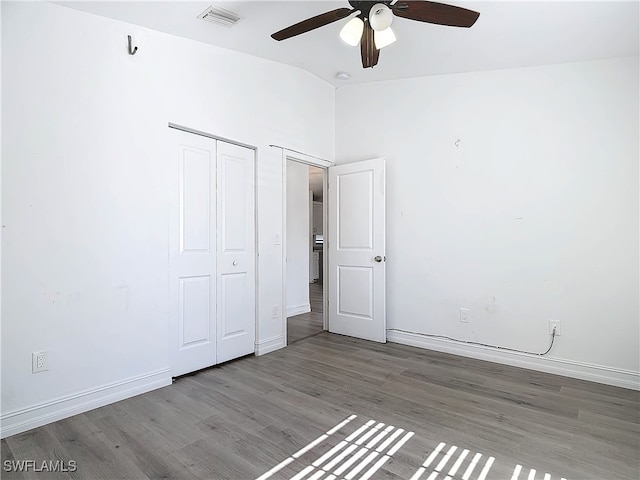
[558,326]
[39,362]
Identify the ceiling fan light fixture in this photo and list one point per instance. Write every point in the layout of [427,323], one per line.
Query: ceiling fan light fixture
[377,33]
[380,17]
[352,31]
[384,38]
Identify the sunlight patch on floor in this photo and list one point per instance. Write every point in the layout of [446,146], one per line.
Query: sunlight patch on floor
[360,454]
[367,448]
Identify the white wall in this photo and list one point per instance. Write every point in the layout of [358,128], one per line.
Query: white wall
[85,192]
[533,216]
[297,238]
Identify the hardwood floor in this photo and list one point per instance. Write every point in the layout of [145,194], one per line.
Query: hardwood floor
[247,417]
[302,326]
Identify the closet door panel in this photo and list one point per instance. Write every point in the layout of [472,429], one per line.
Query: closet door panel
[192,252]
[236,325]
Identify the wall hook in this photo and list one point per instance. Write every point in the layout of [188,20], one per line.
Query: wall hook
[131,52]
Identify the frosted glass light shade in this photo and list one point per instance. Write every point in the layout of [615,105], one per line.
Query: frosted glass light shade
[384,38]
[352,31]
[380,17]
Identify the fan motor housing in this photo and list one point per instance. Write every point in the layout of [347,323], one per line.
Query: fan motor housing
[365,7]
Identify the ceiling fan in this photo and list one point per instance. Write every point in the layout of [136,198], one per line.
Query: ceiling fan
[371,26]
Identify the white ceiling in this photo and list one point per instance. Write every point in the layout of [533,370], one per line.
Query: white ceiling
[507,35]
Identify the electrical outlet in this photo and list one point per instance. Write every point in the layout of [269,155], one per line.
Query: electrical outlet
[276,240]
[276,311]
[464,315]
[39,362]
[557,325]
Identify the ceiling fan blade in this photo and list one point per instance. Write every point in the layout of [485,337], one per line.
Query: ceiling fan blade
[312,23]
[368,50]
[433,12]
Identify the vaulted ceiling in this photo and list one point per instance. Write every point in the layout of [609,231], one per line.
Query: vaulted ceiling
[507,35]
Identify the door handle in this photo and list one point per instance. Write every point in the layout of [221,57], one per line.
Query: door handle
[378,258]
[235,262]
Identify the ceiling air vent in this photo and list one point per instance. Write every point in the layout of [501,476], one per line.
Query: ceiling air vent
[220,16]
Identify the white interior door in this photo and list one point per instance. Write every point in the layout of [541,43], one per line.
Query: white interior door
[192,252]
[357,250]
[236,318]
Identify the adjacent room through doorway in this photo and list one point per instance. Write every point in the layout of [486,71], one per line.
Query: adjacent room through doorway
[305,250]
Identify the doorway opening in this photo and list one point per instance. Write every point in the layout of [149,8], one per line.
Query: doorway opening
[305,229]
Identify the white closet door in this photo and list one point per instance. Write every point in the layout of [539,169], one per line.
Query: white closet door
[236,324]
[192,252]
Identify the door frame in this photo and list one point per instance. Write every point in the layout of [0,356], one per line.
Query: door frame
[324,165]
[193,131]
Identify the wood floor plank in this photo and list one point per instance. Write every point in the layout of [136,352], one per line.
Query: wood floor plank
[239,420]
[78,439]
[210,459]
[308,324]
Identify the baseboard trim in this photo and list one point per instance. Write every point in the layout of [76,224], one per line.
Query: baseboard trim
[24,419]
[299,310]
[584,371]
[270,345]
